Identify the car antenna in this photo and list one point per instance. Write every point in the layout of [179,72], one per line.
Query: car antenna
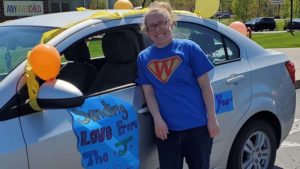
[143,4]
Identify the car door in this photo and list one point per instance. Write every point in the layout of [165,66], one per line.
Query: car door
[264,23]
[14,45]
[12,145]
[54,141]
[231,79]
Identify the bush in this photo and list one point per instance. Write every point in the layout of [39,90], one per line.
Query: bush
[279,24]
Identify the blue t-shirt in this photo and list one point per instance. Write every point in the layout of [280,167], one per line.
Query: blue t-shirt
[173,72]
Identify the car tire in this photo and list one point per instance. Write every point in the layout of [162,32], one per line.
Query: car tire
[246,151]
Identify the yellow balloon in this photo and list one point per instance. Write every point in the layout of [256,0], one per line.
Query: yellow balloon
[123,4]
[206,8]
[80,8]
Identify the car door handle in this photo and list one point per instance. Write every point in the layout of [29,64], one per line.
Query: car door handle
[233,79]
[143,110]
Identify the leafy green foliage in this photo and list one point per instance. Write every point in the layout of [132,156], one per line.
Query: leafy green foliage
[241,9]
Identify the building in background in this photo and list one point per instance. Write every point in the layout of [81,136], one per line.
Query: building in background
[13,9]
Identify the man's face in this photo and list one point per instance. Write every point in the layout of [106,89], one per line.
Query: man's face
[159,29]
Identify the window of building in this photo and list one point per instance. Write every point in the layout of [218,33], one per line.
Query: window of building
[59,7]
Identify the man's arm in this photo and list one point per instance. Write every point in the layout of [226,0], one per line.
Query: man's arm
[212,122]
[161,129]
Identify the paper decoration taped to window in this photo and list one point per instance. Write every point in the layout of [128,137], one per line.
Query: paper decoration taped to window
[107,132]
[224,102]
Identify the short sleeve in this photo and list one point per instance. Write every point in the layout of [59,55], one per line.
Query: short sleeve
[141,72]
[200,63]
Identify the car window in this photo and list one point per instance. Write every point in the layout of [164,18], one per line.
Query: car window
[232,49]
[101,61]
[254,20]
[95,46]
[217,47]
[15,43]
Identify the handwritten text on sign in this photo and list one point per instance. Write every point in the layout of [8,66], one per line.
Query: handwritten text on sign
[224,102]
[107,132]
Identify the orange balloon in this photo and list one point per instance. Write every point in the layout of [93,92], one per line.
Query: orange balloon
[45,61]
[240,27]
[123,4]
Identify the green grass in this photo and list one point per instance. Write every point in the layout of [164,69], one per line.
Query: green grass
[95,47]
[277,40]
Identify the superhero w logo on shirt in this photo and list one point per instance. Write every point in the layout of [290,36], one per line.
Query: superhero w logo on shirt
[163,69]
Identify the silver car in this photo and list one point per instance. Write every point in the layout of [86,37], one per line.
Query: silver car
[95,116]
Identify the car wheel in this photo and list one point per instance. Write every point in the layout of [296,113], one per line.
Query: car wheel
[254,147]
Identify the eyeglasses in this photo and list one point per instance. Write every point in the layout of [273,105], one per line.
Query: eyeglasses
[160,24]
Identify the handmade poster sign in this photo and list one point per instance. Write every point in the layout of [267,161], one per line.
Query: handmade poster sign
[107,132]
[224,102]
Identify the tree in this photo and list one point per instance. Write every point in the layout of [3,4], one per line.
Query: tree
[183,5]
[287,8]
[241,8]
[97,4]
[225,5]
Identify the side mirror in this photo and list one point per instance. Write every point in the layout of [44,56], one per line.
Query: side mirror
[59,94]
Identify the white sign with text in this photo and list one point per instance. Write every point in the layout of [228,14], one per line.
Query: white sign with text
[23,8]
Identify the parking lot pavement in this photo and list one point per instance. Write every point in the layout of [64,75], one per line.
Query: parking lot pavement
[294,55]
[288,154]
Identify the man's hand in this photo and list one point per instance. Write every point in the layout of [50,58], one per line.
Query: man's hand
[161,128]
[213,126]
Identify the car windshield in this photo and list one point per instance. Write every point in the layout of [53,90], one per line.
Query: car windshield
[254,20]
[296,20]
[15,42]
